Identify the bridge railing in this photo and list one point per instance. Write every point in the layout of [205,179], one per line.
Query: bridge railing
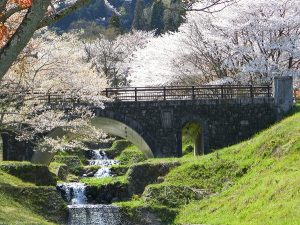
[188,93]
[154,94]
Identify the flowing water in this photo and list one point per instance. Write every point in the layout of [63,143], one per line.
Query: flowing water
[82,213]
[99,158]
[94,214]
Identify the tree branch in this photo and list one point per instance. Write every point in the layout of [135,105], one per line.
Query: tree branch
[9,13]
[207,8]
[52,19]
[21,37]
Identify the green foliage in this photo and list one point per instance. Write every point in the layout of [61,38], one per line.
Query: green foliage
[114,22]
[156,19]
[139,18]
[130,156]
[188,149]
[89,29]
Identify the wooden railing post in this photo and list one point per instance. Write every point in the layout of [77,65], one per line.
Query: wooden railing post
[251,91]
[222,91]
[164,93]
[135,94]
[49,100]
[106,92]
[269,91]
[193,92]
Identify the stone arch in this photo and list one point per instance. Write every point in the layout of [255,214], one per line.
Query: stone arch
[198,133]
[111,123]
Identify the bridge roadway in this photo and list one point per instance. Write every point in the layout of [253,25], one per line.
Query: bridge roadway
[158,119]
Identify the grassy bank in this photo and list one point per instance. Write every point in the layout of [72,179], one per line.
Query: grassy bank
[11,211]
[268,192]
[255,182]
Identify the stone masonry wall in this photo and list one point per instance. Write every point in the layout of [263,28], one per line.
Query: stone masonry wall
[224,122]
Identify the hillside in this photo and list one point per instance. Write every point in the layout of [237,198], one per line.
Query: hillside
[11,211]
[254,182]
[268,192]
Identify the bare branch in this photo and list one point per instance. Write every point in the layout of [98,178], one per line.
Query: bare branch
[59,15]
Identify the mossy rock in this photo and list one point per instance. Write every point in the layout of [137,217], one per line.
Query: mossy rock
[87,171]
[73,162]
[117,147]
[142,174]
[119,170]
[108,193]
[61,170]
[80,153]
[45,201]
[138,212]
[131,156]
[28,172]
[172,196]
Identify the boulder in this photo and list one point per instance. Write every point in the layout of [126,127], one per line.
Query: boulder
[142,174]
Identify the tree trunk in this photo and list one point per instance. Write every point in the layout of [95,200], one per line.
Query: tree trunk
[10,52]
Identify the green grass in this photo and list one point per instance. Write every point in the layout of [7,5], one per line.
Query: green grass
[268,192]
[9,180]
[13,213]
[131,155]
[94,181]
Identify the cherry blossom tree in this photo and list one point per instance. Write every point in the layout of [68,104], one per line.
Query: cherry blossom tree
[51,86]
[246,42]
[111,57]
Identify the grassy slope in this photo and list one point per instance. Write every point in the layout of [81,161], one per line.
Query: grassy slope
[13,213]
[269,193]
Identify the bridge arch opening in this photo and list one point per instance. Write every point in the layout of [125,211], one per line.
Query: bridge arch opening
[193,135]
[110,126]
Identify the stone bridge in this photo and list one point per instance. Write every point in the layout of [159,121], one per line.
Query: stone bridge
[157,120]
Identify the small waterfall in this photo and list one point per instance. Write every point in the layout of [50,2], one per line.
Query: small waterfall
[99,158]
[73,192]
[95,215]
[81,213]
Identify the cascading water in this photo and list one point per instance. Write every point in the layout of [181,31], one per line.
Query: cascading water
[74,193]
[81,213]
[99,158]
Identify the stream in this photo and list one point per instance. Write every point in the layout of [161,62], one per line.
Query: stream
[80,211]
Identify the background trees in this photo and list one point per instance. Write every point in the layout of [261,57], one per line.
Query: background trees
[243,43]
[112,57]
